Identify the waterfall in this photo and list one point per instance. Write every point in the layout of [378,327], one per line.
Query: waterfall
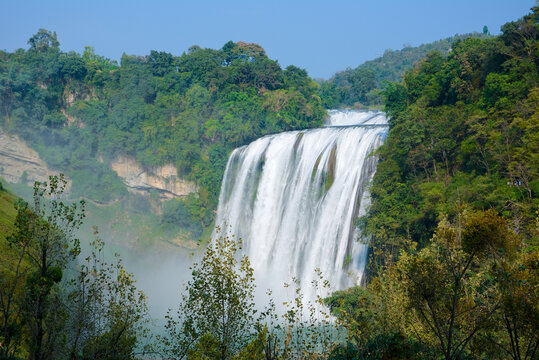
[293,198]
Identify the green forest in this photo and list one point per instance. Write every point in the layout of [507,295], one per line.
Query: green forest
[454,217]
[362,86]
[81,111]
[453,224]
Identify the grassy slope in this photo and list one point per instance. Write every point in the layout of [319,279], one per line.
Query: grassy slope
[7,216]
[8,213]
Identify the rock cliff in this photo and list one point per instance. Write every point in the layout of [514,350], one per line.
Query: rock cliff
[164,179]
[18,162]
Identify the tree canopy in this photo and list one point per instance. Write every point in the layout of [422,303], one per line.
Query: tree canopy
[361,86]
[453,219]
[82,111]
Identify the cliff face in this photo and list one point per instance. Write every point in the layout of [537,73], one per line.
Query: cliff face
[164,179]
[16,159]
[18,162]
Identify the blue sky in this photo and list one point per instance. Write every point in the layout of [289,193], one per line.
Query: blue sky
[321,36]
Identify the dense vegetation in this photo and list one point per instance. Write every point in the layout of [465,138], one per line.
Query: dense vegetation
[82,111]
[55,303]
[454,271]
[363,85]
[463,130]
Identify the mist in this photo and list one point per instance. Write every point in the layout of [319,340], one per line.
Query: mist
[160,273]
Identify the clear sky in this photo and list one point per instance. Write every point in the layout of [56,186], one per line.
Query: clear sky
[322,36]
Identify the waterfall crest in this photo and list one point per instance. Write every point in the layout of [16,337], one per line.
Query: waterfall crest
[293,198]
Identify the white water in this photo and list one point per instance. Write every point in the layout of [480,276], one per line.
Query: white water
[354,117]
[276,196]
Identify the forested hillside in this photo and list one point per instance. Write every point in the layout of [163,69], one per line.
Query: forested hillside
[454,270]
[362,85]
[463,130]
[80,112]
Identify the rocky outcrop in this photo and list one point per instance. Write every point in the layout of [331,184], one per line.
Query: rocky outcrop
[163,179]
[18,162]
[76,92]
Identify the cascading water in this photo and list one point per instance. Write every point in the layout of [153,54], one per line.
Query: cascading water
[293,198]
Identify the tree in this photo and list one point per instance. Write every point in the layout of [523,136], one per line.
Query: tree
[107,314]
[361,82]
[43,40]
[56,304]
[216,314]
[447,285]
[514,327]
[160,62]
[247,51]
[73,66]
[395,97]
[13,271]
[372,317]
[46,241]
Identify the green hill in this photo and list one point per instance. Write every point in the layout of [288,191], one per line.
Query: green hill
[81,111]
[362,84]
[463,131]
[453,271]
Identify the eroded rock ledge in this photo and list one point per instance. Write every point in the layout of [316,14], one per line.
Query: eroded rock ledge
[164,179]
[19,162]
